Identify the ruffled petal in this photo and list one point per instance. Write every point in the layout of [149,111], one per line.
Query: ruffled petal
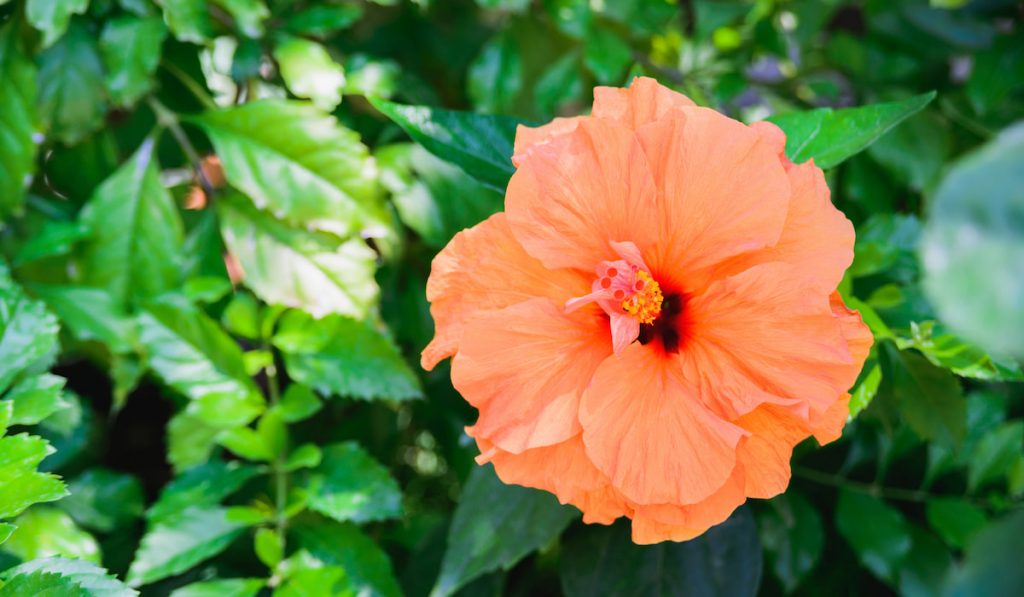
[644,101]
[651,434]
[577,192]
[766,453]
[725,193]
[528,136]
[524,367]
[565,470]
[670,522]
[485,268]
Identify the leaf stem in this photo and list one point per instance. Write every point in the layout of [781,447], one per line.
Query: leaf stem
[278,465]
[190,84]
[169,120]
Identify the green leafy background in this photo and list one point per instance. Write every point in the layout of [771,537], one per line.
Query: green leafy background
[216,223]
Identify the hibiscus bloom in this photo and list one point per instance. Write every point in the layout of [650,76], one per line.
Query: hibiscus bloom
[653,323]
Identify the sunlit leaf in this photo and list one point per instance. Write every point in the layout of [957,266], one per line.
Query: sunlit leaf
[20,123]
[350,485]
[131,52]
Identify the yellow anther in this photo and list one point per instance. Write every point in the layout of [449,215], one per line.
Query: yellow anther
[645,304]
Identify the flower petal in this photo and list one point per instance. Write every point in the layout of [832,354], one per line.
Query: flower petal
[724,190]
[766,453]
[577,192]
[524,367]
[644,101]
[669,522]
[528,136]
[485,268]
[650,433]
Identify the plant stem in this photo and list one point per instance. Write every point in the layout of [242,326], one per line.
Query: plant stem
[190,83]
[278,466]
[169,120]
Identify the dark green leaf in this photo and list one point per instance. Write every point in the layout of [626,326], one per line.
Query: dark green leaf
[55,238]
[876,531]
[928,398]
[188,20]
[345,357]
[830,136]
[926,566]
[994,454]
[202,486]
[104,500]
[496,76]
[321,21]
[367,567]
[495,526]
[131,52]
[606,55]
[792,534]
[229,587]
[954,519]
[51,17]
[726,560]
[136,233]
[71,98]
[298,403]
[992,564]
[179,541]
[19,122]
[350,485]
[479,144]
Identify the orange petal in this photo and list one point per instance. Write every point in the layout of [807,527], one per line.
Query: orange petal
[644,101]
[772,324]
[527,136]
[577,192]
[524,367]
[669,522]
[564,470]
[817,238]
[485,268]
[650,433]
[725,193]
[766,453]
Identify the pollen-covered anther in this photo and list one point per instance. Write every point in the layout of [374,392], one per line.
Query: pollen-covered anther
[645,304]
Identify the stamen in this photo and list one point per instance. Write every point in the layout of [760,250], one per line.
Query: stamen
[645,305]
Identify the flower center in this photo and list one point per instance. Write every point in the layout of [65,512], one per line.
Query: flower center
[645,304]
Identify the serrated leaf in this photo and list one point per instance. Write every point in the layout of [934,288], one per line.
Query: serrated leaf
[136,233]
[58,574]
[318,175]
[287,266]
[194,356]
[479,144]
[342,356]
[179,541]
[20,484]
[202,486]
[496,525]
[131,52]
[367,567]
[227,587]
[42,584]
[876,531]
[831,136]
[71,96]
[45,532]
[35,398]
[51,17]
[350,485]
[188,20]
[104,500]
[309,72]
[604,561]
[18,121]
[28,332]
[948,350]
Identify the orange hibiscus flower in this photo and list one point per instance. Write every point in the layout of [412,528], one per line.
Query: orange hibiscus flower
[653,323]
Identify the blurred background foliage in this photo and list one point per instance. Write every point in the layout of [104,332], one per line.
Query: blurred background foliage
[212,296]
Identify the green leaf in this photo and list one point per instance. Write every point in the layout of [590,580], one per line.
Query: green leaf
[52,17]
[928,398]
[20,484]
[179,541]
[71,96]
[992,562]
[45,532]
[19,121]
[28,332]
[350,485]
[496,76]
[606,55]
[321,21]
[41,583]
[5,531]
[298,403]
[35,398]
[496,525]
[265,443]
[298,268]
[248,14]
[793,535]
[365,564]
[926,566]
[341,356]
[318,175]
[954,519]
[104,500]
[876,531]
[55,238]
[91,314]
[977,217]
[865,391]
[268,547]
[561,84]
[951,352]
[188,20]
[59,574]
[131,52]
[194,356]
[228,587]
[310,72]
[136,232]
[479,144]
[994,454]
[831,136]
[310,582]
[305,456]
[202,486]
[432,197]
[726,560]
[190,441]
